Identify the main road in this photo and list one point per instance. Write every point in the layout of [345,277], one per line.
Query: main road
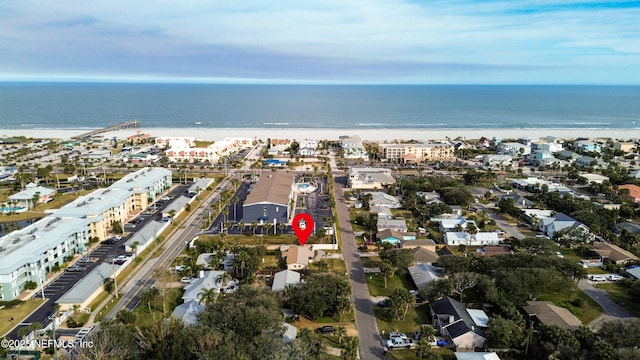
[370,340]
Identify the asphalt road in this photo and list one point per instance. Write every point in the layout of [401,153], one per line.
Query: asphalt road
[370,340]
[142,279]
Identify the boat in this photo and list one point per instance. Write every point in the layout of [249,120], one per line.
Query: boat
[198,123]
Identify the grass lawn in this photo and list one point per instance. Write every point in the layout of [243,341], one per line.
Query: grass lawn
[353,213]
[371,261]
[619,293]
[415,317]
[580,305]
[145,318]
[337,266]
[256,239]
[376,284]
[18,313]
[57,202]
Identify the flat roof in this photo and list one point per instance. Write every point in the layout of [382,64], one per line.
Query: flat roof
[28,245]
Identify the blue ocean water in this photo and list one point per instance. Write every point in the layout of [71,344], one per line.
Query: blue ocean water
[92,105]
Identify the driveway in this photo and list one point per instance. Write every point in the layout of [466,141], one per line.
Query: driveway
[610,309]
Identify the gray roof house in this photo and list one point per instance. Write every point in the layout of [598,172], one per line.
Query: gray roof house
[451,319]
[285,278]
[558,222]
[188,312]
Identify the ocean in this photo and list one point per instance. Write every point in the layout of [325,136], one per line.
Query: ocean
[94,105]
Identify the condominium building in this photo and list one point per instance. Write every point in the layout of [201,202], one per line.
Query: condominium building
[28,254]
[409,153]
[184,150]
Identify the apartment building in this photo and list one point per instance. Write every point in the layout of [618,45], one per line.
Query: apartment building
[28,254]
[409,153]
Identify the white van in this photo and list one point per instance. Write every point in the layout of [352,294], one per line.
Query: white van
[597,278]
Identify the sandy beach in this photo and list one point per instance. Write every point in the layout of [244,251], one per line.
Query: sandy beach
[211,134]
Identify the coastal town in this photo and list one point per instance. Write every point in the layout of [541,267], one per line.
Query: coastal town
[176,247]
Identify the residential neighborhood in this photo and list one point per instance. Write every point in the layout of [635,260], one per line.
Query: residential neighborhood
[450,249]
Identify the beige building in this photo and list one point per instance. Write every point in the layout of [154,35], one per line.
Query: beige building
[410,153]
[627,147]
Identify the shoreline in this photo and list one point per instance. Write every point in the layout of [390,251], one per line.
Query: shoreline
[216,134]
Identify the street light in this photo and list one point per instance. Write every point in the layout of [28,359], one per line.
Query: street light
[53,322]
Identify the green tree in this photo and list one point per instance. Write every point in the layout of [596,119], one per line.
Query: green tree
[399,302]
[504,333]
[349,348]
[387,271]
[424,351]
[340,332]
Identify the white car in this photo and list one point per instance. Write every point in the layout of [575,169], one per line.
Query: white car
[185,280]
[597,278]
[614,277]
[397,342]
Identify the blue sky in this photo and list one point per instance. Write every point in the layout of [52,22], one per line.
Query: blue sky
[330,41]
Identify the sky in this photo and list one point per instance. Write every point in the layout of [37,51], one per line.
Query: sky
[318,42]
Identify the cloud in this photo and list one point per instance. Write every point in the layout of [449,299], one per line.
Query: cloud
[384,41]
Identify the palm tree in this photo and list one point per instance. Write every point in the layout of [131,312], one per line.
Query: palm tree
[235,200]
[387,271]
[350,348]
[224,279]
[148,296]
[340,332]
[424,351]
[208,296]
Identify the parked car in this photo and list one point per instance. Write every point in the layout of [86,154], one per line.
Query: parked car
[597,278]
[614,277]
[325,329]
[399,343]
[121,259]
[185,280]
[110,241]
[383,303]
[397,335]
[75,268]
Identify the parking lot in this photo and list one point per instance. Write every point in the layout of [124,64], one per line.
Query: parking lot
[315,204]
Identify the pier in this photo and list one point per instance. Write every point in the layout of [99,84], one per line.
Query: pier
[123,125]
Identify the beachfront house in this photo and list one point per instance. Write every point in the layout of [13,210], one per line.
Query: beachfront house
[352,148]
[514,149]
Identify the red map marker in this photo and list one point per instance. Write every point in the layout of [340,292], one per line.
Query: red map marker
[302,226]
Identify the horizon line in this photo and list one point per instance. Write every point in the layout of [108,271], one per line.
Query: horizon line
[282,83]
